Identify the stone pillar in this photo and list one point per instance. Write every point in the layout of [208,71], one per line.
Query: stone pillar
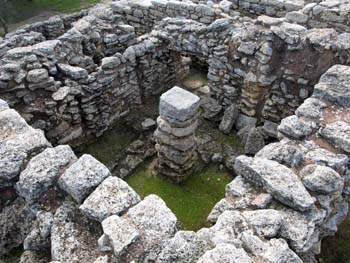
[175,135]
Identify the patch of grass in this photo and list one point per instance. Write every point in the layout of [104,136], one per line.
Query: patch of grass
[19,10]
[111,146]
[191,201]
[336,249]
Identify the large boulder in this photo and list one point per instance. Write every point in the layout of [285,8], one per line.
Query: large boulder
[112,197]
[81,178]
[277,179]
[338,134]
[155,223]
[73,237]
[321,179]
[296,128]
[43,171]
[118,234]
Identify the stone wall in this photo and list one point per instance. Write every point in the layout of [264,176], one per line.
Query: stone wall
[324,14]
[279,207]
[75,76]
[73,87]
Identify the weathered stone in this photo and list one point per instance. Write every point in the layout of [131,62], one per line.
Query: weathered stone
[321,179]
[16,221]
[75,73]
[311,108]
[277,179]
[71,239]
[226,253]
[39,237]
[178,104]
[229,118]
[81,178]
[296,128]
[61,93]
[43,171]
[285,153]
[156,224]
[255,141]
[337,133]
[119,233]
[112,197]
[37,75]
[334,86]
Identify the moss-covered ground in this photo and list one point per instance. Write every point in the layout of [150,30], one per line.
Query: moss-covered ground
[192,200]
[111,146]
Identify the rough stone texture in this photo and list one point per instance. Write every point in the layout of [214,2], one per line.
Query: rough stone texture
[112,197]
[39,237]
[16,221]
[276,179]
[119,233]
[225,253]
[178,105]
[175,135]
[322,179]
[155,223]
[229,118]
[338,133]
[43,171]
[71,238]
[81,178]
[75,76]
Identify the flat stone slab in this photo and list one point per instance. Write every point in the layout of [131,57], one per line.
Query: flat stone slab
[281,182]
[178,104]
[82,177]
[112,197]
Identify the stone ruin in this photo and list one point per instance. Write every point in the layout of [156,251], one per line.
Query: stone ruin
[270,63]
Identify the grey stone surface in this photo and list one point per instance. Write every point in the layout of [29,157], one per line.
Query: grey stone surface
[226,253]
[295,128]
[229,118]
[178,104]
[119,233]
[112,197]
[277,179]
[81,178]
[334,86]
[338,133]
[16,221]
[321,179]
[43,171]
[71,239]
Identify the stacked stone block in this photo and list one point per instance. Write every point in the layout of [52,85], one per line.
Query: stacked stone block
[175,135]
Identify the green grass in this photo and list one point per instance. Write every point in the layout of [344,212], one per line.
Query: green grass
[110,146]
[20,10]
[336,249]
[191,201]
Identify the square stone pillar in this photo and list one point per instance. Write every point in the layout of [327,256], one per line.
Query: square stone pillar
[175,134]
